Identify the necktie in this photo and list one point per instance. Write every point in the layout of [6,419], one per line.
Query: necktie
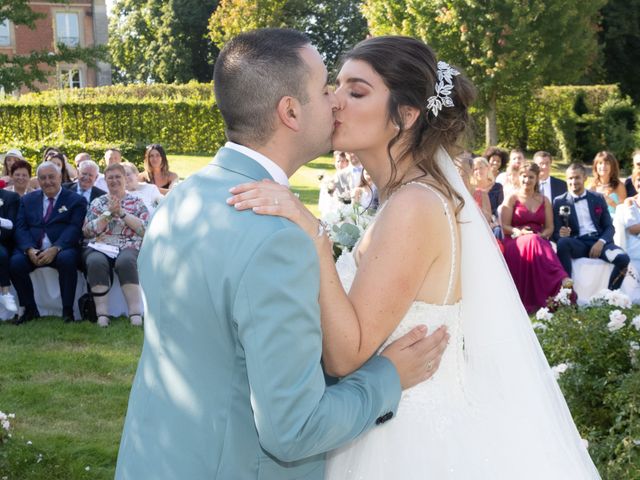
[46,217]
[577,199]
[47,214]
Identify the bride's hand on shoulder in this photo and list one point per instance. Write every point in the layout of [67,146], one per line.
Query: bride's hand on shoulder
[267,197]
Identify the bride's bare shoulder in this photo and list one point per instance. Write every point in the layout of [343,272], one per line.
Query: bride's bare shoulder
[414,211]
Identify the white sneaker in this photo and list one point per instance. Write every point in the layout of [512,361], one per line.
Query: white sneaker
[136,320]
[9,302]
[103,321]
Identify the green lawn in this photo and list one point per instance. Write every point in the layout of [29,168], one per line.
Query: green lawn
[69,384]
[304,182]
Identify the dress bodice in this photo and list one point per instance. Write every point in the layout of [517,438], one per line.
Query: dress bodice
[446,385]
[523,217]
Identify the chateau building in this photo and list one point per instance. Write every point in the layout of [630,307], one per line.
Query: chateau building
[75,23]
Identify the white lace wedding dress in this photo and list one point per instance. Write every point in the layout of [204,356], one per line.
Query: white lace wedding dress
[473,419]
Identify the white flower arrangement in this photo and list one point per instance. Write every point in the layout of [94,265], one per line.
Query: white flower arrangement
[346,225]
[615,298]
[563,297]
[560,369]
[544,314]
[617,320]
[62,209]
[636,322]
[6,425]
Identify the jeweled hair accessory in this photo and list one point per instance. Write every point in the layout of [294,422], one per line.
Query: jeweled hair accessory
[443,89]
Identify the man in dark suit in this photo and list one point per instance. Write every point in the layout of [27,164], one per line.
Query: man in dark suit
[9,202]
[85,185]
[583,227]
[48,233]
[550,187]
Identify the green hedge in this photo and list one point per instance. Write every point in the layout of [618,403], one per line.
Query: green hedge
[573,122]
[138,115]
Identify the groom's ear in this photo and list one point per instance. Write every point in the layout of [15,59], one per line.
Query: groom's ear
[289,112]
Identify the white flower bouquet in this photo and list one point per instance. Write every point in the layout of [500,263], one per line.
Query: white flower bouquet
[346,225]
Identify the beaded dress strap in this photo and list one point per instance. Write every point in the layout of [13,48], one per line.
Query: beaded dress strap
[447,211]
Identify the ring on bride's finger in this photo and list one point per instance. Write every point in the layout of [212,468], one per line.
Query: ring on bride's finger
[275,201]
[429,366]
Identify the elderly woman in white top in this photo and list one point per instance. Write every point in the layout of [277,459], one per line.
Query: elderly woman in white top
[148,192]
[113,228]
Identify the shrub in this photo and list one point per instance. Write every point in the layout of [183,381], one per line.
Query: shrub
[602,381]
[183,119]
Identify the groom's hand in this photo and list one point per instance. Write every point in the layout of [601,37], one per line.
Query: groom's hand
[417,356]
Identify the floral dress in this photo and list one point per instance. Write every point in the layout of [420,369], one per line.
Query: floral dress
[117,233]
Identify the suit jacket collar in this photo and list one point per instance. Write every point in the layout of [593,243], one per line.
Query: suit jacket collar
[241,164]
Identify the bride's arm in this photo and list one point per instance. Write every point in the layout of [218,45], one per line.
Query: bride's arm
[397,253]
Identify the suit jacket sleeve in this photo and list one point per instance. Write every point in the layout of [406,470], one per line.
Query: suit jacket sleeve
[24,239]
[278,318]
[557,221]
[72,233]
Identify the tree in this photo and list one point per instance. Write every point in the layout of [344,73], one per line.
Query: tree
[26,70]
[161,41]
[506,47]
[621,45]
[332,26]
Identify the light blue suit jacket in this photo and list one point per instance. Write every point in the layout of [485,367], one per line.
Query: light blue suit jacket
[229,384]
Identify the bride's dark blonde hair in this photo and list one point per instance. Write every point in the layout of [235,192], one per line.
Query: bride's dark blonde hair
[408,68]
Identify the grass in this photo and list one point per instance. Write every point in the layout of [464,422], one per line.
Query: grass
[69,384]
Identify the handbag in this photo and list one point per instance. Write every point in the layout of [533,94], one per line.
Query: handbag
[87,306]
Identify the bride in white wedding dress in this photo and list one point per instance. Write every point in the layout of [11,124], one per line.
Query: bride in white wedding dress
[492,410]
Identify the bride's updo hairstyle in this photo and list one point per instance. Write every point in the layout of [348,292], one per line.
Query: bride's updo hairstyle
[408,68]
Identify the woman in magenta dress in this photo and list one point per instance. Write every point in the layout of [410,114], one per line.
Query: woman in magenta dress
[527,223]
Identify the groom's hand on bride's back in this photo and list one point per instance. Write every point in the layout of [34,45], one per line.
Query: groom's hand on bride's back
[417,355]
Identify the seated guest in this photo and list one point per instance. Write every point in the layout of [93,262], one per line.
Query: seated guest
[114,226]
[583,227]
[21,178]
[497,159]
[628,183]
[81,157]
[156,169]
[60,160]
[149,194]
[509,178]
[10,158]
[631,219]
[487,193]
[606,180]
[464,165]
[48,232]
[56,155]
[111,155]
[527,223]
[365,192]
[550,187]
[85,185]
[9,202]
[348,179]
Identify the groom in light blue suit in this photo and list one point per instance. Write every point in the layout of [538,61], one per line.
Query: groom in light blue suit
[229,384]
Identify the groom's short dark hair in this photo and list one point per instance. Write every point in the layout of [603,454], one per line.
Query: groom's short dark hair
[252,73]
